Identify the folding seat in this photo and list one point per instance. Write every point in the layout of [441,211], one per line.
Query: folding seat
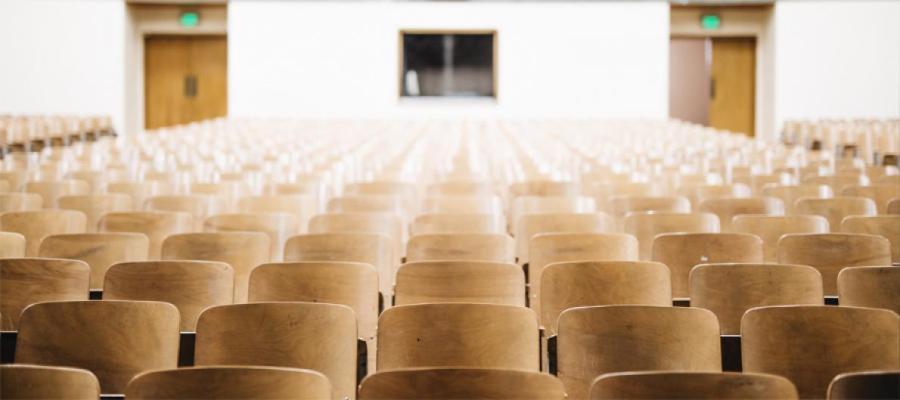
[837,183]
[95,206]
[789,194]
[51,191]
[277,226]
[531,225]
[727,207]
[115,340]
[810,345]
[699,193]
[875,287]
[451,383]
[461,188]
[198,206]
[25,281]
[548,248]
[12,245]
[320,337]
[156,225]
[370,248]
[596,340]
[458,204]
[36,225]
[729,290]
[566,285]
[20,202]
[191,286]
[887,226]
[646,226]
[387,224]
[99,250]
[770,228]
[527,205]
[460,282]
[691,385]
[140,191]
[497,247]
[831,252]
[230,382]
[893,206]
[881,194]
[457,223]
[44,382]
[865,385]
[303,207]
[458,335]
[836,208]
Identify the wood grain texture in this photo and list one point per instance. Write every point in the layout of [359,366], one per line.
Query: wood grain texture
[230,382]
[865,385]
[530,225]
[95,206]
[461,188]
[733,70]
[457,223]
[19,201]
[837,183]
[526,205]
[198,206]
[831,252]
[544,188]
[698,193]
[887,226]
[496,247]
[681,252]
[836,208]
[25,281]
[810,345]
[461,383]
[691,385]
[320,337]
[459,204]
[140,191]
[37,225]
[646,226]
[301,206]
[727,207]
[729,290]
[99,250]
[34,382]
[875,287]
[51,191]
[125,338]
[893,207]
[156,225]
[770,228]
[390,225]
[12,245]
[789,194]
[460,282]
[370,248]
[277,226]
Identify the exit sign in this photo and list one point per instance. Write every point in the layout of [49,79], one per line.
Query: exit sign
[189,19]
[710,21]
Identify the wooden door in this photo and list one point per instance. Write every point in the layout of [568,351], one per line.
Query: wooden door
[733,91]
[185,79]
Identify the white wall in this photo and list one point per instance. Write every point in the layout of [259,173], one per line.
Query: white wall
[62,56]
[341,58]
[837,59]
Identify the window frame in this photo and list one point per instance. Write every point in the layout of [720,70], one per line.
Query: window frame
[448,31]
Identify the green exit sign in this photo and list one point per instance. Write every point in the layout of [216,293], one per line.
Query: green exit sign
[189,19]
[710,21]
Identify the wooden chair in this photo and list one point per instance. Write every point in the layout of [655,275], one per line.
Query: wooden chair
[95,206]
[691,385]
[831,252]
[881,194]
[865,385]
[457,223]
[604,192]
[566,285]
[530,225]
[387,224]
[37,225]
[461,383]
[460,282]
[20,202]
[198,206]
[16,179]
[646,226]
[458,335]
[320,337]
[887,226]
[893,207]
[96,180]
[156,225]
[51,191]
[729,290]
[303,207]
[12,245]
[836,208]
[681,252]
[369,248]
[277,226]
[387,188]
[789,194]
[727,207]
[810,345]
[25,281]
[462,205]
[44,382]
[191,286]
[596,340]
[140,191]
[496,247]
[461,188]
[837,183]
[697,194]
[527,205]
[230,382]
[368,204]
[620,206]
[99,250]
[548,248]
[770,228]
[875,287]
[243,251]
[544,188]
[115,340]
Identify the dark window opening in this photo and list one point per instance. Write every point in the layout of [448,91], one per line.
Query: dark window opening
[448,65]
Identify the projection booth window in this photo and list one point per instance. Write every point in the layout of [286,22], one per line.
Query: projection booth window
[448,65]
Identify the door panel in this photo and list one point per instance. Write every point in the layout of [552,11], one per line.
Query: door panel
[733,97]
[689,79]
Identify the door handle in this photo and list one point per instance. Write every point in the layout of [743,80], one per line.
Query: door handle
[190,85]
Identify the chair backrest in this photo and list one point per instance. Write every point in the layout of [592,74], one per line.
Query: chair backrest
[51,191]
[461,188]
[460,282]
[697,194]
[95,206]
[837,183]
[497,247]
[99,250]
[831,252]
[19,201]
[191,286]
[893,206]
[881,194]
[456,204]
[383,223]
[457,223]
[243,251]
[230,382]
[370,248]
[874,286]
[566,285]
[526,205]
[367,204]
[320,337]
[44,382]
[25,281]
[277,226]
[621,205]
[530,225]
[198,206]
[458,335]
[115,340]
[681,252]
[729,290]
[596,340]
[646,226]
[836,208]
[543,188]
[770,228]
[810,345]
[887,226]
[691,385]
[461,383]
[789,194]
[156,225]
[865,385]
[37,225]
[727,207]
[12,245]
[140,191]
[303,207]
